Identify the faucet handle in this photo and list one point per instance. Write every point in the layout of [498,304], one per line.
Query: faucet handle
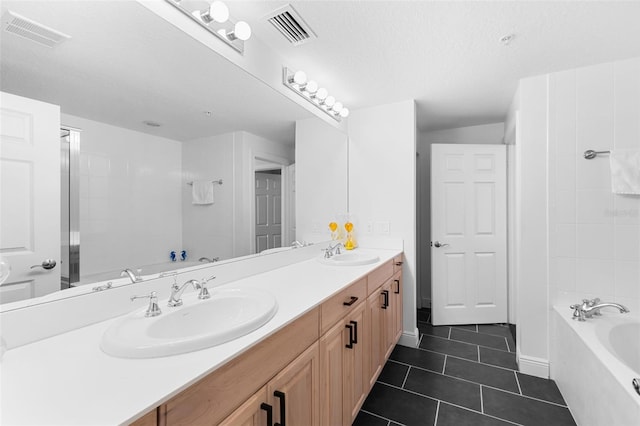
[153,310]
[204,292]
[577,312]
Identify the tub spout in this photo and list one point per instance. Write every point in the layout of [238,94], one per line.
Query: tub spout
[596,308]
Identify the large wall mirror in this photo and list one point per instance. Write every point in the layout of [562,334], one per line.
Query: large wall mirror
[146,114]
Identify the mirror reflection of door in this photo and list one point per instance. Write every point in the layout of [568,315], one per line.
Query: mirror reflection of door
[268,209]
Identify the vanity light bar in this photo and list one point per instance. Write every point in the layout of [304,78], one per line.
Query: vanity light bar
[318,96]
[215,19]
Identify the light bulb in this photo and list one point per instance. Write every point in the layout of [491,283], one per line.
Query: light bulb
[337,107]
[311,87]
[330,101]
[322,94]
[219,12]
[300,78]
[344,113]
[242,30]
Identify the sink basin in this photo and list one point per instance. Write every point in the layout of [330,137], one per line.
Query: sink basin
[350,259]
[198,324]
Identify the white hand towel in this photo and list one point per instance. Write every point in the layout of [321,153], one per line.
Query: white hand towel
[625,172]
[202,192]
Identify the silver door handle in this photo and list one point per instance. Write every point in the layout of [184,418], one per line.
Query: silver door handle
[46,264]
[439,244]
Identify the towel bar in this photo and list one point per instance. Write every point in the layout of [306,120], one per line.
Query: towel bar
[590,154]
[219,182]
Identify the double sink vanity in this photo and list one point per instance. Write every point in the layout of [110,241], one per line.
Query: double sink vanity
[300,344]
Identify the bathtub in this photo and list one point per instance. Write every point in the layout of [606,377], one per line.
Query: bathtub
[594,363]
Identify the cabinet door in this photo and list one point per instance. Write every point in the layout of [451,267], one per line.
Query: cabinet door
[355,362]
[388,314]
[293,393]
[375,335]
[332,345]
[396,297]
[252,413]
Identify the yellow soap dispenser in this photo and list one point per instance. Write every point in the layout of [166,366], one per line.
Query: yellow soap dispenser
[350,243]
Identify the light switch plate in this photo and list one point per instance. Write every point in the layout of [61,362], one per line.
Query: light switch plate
[383,227]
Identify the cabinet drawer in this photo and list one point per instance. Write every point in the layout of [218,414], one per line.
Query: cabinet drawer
[397,263]
[334,309]
[379,276]
[217,395]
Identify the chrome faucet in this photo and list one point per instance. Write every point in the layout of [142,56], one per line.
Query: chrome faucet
[132,276]
[176,292]
[208,260]
[298,244]
[333,250]
[592,307]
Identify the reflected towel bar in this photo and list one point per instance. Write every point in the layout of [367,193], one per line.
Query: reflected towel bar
[590,154]
[219,182]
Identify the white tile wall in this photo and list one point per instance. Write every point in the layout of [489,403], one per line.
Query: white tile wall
[594,234]
[130,197]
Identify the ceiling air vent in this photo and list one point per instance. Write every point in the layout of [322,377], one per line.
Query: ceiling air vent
[291,25]
[19,25]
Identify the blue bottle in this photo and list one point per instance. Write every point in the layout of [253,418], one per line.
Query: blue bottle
[172,256]
[183,255]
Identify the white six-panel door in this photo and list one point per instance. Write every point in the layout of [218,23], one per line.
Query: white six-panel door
[268,211]
[468,231]
[29,195]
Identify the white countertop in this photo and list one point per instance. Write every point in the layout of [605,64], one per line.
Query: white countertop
[68,380]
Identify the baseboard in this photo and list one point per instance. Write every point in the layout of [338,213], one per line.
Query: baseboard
[410,339]
[533,366]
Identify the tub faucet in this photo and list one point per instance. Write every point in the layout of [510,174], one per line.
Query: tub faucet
[589,308]
[132,276]
[176,292]
[208,260]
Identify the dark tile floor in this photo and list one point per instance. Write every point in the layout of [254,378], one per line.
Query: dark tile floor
[458,376]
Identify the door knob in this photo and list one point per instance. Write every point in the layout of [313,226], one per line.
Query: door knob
[46,264]
[439,244]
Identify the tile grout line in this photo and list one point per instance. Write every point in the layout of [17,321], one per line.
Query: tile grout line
[449,335]
[507,342]
[406,376]
[467,343]
[420,340]
[378,416]
[444,364]
[453,356]
[481,401]
[435,419]
[518,382]
[468,381]
[478,353]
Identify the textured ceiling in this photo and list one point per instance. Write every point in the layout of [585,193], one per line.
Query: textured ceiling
[125,65]
[447,54]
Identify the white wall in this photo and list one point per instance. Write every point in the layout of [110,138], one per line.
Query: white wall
[382,186]
[208,229]
[575,238]
[482,134]
[321,178]
[224,229]
[594,234]
[130,191]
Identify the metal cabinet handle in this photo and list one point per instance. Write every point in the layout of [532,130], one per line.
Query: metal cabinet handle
[269,409]
[350,344]
[281,397]
[397,291]
[385,294]
[399,263]
[353,300]
[355,331]
[439,244]
[46,264]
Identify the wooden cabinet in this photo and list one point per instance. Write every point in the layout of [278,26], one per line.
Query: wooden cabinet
[294,391]
[343,363]
[318,370]
[291,397]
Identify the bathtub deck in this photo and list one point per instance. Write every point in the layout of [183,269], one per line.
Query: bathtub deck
[461,375]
